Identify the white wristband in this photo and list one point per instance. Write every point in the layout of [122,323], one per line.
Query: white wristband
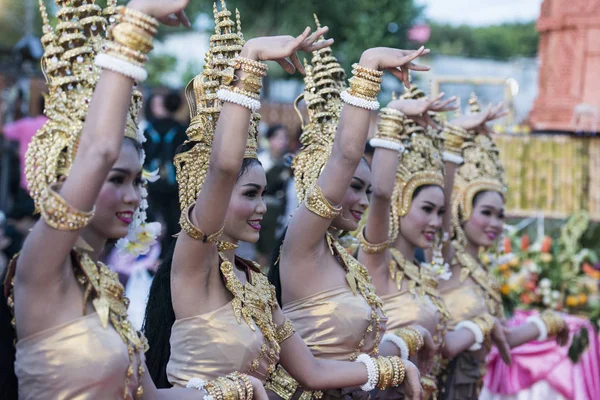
[239,99]
[453,158]
[472,326]
[122,67]
[386,144]
[372,105]
[399,343]
[539,323]
[372,373]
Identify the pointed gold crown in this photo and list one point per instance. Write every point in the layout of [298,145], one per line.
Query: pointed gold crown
[192,165]
[481,171]
[323,83]
[474,104]
[421,164]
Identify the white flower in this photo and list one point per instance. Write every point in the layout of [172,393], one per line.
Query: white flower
[545,283]
[546,300]
[555,294]
[144,204]
[143,192]
[150,176]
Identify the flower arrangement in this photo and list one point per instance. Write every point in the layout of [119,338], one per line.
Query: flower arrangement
[557,274]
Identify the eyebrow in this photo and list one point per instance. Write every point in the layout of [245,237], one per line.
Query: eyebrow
[492,208]
[121,170]
[358,179]
[430,203]
[254,185]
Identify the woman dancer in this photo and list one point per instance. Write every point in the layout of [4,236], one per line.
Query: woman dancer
[326,293]
[477,205]
[70,314]
[224,314]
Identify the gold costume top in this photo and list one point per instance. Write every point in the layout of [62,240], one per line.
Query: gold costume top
[78,360]
[219,342]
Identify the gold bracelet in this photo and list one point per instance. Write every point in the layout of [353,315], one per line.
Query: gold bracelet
[59,214]
[368,247]
[238,386]
[386,373]
[134,56]
[131,36]
[247,384]
[412,338]
[227,387]
[214,390]
[285,331]
[150,29]
[244,92]
[485,324]
[318,204]
[420,342]
[193,231]
[554,322]
[397,363]
[363,88]
[138,15]
[251,82]
[367,71]
[250,66]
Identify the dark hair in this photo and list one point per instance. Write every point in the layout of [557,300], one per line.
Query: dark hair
[273,130]
[422,187]
[136,145]
[172,101]
[478,195]
[273,274]
[8,379]
[160,316]
[369,150]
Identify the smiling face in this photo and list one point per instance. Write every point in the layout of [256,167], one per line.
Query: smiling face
[356,199]
[120,195]
[424,218]
[246,207]
[486,223]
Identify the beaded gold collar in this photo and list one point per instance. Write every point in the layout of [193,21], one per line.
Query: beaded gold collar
[360,281]
[484,279]
[254,302]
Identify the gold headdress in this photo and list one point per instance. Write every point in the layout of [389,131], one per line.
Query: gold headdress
[191,166]
[324,81]
[420,164]
[481,171]
[71,75]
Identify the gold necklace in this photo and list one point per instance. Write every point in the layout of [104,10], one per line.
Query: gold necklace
[471,267]
[254,302]
[358,279]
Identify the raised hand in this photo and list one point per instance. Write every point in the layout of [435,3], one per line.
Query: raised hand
[167,12]
[398,62]
[283,49]
[499,338]
[412,382]
[427,352]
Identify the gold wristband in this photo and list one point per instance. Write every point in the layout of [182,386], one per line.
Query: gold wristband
[131,36]
[318,204]
[59,214]
[250,66]
[398,371]
[138,15]
[368,247]
[285,331]
[367,71]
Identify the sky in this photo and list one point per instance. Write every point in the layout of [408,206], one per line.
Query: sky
[481,12]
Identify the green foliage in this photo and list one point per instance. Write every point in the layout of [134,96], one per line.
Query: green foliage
[356,25]
[497,41]
[157,66]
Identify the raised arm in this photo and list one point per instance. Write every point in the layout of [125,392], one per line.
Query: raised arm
[42,259]
[348,148]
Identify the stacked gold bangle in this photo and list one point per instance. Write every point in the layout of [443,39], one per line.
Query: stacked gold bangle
[365,82]
[486,323]
[60,215]
[235,386]
[554,322]
[413,339]
[285,331]
[132,38]
[391,372]
[368,247]
[318,204]
[391,125]
[193,231]
[454,137]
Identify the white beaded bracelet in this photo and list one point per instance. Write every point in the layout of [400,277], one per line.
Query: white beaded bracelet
[122,67]
[239,99]
[453,158]
[372,372]
[386,144]
[399,343]
[541,325]
[372,105]
[472,326]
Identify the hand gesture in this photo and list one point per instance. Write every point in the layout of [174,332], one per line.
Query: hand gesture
[477,121]
[562,337]
[259,390]
[411,386]
[499,338]
[398,62]
[167,12]
[417,110]
[427,352]
[283,49]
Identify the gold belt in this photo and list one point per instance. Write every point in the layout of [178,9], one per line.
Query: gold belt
[284,386]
